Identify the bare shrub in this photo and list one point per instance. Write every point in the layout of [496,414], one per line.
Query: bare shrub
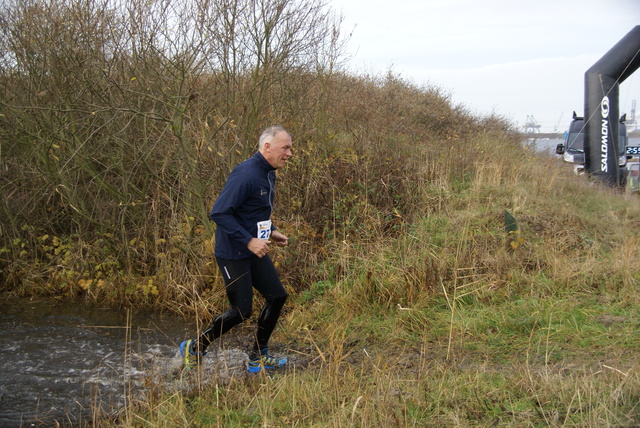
[123,118]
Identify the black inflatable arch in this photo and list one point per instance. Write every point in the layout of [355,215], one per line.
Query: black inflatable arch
[601,107]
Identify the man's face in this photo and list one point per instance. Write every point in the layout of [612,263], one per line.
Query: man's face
[278,150]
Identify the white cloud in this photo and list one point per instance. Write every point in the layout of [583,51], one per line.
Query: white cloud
[516,58]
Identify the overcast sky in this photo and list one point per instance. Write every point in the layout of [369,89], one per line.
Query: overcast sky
[515,58]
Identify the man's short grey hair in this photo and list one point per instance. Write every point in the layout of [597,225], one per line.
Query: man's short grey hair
[268,134]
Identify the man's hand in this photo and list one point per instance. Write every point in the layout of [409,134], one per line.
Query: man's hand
[259,247]
[280,239]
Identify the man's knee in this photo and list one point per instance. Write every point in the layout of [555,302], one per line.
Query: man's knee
[236,315]
[278,300]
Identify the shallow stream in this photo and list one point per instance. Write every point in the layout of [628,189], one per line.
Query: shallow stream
[61,362]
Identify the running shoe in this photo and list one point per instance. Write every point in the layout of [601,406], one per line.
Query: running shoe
[191,359]
[265,361]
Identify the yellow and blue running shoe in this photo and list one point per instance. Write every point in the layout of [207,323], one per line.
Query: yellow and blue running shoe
[265,361]
[190,358]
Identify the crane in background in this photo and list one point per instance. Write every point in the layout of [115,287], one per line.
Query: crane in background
[531,126]
[555,128]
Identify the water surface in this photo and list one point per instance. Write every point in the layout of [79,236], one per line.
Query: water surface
[59,361]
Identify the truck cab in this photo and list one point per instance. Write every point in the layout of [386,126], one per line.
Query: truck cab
[572,148]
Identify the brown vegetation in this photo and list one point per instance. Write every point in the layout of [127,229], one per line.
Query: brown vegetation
[119,124]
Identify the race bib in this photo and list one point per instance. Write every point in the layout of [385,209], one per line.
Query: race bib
[264,230]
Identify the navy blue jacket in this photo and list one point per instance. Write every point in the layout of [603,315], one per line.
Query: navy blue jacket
[245,200]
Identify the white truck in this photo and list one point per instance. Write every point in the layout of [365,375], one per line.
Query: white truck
[572,148]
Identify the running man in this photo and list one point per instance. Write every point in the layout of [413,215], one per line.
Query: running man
[244,233]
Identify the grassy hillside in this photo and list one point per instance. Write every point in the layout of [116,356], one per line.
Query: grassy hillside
[436,314]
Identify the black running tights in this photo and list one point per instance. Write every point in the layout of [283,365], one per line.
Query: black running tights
[240,278]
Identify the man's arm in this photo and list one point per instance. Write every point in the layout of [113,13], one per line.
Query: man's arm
[280,239]
[232,196]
